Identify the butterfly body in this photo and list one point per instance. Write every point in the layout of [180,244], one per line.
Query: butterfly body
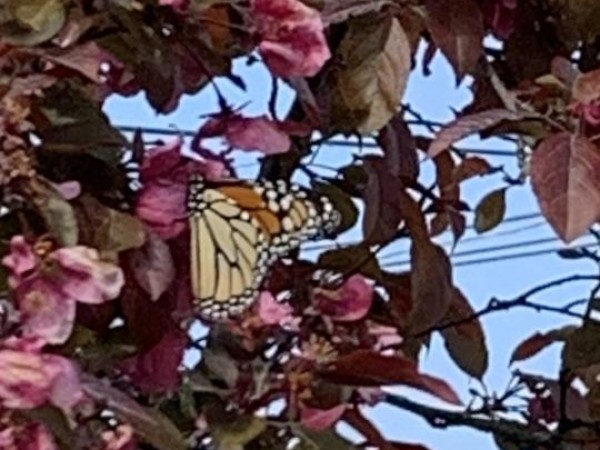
[239,229]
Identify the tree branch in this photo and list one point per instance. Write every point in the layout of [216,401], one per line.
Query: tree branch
[507,429]
[522,300]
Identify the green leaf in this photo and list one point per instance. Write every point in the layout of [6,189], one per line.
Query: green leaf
[108,229]
[75,124]
[377,59]
[490,211]
[31,22]
[59,215]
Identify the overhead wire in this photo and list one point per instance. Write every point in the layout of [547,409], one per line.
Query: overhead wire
[332,142]
[491,249]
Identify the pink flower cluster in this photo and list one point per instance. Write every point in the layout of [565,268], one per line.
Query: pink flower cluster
[49,282]
[292,38]
[30,379]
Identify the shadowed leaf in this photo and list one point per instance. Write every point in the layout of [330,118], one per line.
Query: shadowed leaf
[431,280]
[465,342]
[456,27]
[400,149]
[538,342]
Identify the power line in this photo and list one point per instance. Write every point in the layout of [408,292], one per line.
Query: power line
[510,256]
[332,142]
[516,218]
[477,251]
[520,255]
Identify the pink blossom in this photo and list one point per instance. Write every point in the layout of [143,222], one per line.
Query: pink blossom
[157,369]
[350,302]
[165,175]
[249,133]
[320,419]
[272,312]
[122,438]
[293,42]
[29,378]
[48,283]
[177,5]
[589,112]
[28,436]
[385,336]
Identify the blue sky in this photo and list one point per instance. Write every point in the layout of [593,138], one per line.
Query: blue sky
[433,96]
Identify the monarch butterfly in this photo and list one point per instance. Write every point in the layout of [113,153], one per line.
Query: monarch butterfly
[239,229]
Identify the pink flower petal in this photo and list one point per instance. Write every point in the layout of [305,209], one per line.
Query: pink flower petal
[31,379]
[85,277]
[320,419]
[293,41]
[163,208]
[351,302]
[272,312]
[69,189]
[386,336]
[257,133]
[47,312]
[178,5]
[66,389]
[20,260]
[162,160]
[247,133]
[28,436]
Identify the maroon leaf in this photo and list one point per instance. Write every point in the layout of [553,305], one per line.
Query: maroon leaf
[537,342]
[456,27]
[367,368]
[382,203]
[431,281]
[400,149]
[466,342]
[564,177]
[470,167]
[340,11]
[467,125]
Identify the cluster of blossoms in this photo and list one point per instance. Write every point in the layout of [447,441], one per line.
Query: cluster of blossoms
[47,283]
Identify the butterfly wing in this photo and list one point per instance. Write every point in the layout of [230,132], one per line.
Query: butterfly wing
[227,252]
[238,229]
